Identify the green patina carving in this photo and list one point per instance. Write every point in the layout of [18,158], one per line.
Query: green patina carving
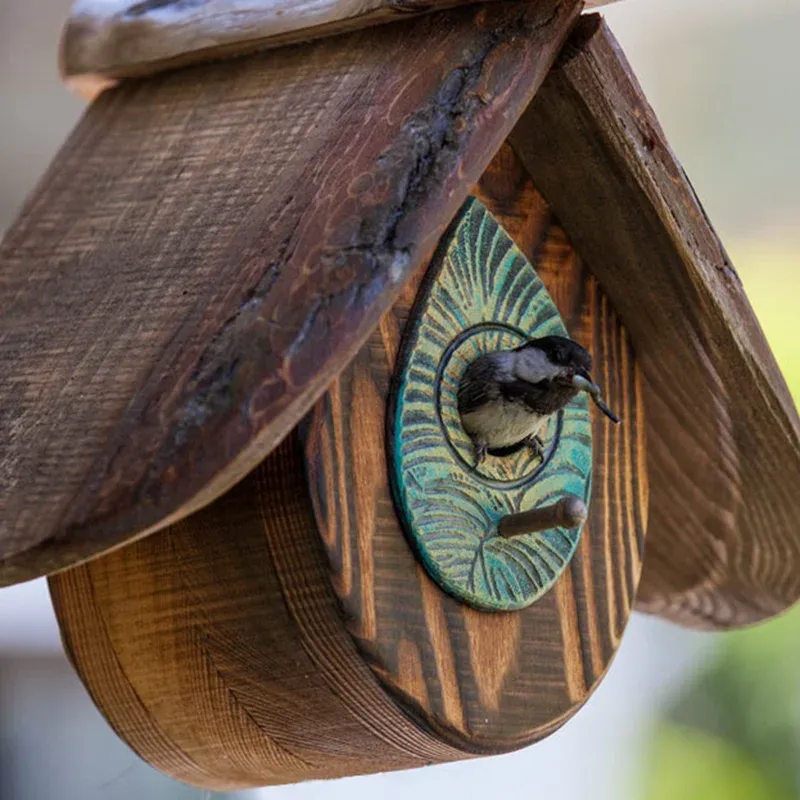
[480,293]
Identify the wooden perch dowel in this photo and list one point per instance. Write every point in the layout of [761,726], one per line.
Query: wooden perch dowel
[104,40]
[211,247]
[723,433]
[569,512]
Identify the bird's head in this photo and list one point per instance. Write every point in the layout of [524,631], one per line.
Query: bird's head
[561,362]
[553,358]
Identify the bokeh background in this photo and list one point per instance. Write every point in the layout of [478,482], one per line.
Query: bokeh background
[681,716]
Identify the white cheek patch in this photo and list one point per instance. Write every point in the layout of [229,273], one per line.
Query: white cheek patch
[533,366]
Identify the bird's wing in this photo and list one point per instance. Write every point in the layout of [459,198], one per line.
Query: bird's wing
[533,395]
[478,386]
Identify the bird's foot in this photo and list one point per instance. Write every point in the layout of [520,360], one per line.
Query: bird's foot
[537,445]
[480,455]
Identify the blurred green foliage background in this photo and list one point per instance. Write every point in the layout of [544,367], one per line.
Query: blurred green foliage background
[735,733]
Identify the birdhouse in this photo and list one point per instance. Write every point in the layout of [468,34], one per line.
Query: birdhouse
[239,315]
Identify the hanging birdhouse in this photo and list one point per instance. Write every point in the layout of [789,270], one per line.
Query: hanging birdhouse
[312,360]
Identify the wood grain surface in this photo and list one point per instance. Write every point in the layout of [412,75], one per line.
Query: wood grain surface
[212,246]
[234,648]
[481,680]
[102,42]
[216,650]
[724,438]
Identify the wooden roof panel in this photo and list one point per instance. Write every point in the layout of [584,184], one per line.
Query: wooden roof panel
[212,246]
[723,546]
[105,40]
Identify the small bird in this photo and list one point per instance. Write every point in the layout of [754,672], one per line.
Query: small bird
[506,397]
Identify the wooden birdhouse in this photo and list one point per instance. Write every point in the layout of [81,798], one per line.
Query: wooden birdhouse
[237,314]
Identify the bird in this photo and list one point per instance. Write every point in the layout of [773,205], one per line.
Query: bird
[505,397]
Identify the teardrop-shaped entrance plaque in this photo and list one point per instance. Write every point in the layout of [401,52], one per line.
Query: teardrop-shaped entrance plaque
[480,294]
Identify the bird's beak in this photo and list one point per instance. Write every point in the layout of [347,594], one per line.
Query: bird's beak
[584,384]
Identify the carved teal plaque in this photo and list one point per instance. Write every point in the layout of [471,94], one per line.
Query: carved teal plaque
[480,294]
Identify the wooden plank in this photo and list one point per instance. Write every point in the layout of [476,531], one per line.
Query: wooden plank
[724,437]
[485,681]
[248,665]
[105,40]
[211,247]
